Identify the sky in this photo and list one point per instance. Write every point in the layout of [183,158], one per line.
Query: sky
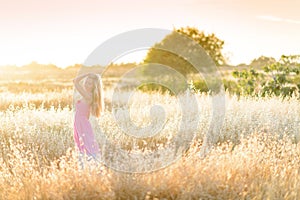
[65,32]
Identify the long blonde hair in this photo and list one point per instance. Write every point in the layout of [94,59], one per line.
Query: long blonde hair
[97,105]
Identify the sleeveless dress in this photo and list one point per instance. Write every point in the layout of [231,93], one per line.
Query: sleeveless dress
[83,133]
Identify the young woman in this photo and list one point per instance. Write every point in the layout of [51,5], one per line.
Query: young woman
[91,103]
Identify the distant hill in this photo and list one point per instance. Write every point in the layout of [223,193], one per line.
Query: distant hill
[262,61]
[36,67]
[33,66]
[35,70]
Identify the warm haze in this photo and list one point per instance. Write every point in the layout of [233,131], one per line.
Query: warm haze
[65,32]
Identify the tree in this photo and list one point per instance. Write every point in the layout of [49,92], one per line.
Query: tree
[210,43]
[262,61]
[175,51]
[279,78]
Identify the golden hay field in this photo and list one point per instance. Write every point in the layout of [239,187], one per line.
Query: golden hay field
[255,156]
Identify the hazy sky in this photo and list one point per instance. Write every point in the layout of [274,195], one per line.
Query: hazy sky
[65,32]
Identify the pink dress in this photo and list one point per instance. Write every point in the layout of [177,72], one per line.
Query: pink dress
[83,133]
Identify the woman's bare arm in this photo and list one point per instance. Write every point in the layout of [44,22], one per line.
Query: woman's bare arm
[80,89]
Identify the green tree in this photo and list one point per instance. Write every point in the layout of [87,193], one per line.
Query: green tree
[281,77]
[184,37]
[278,78]
[210,43]
[262,61]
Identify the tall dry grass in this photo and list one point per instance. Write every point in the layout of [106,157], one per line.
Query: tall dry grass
[255,156]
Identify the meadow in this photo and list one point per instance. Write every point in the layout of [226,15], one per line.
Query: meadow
[256,154]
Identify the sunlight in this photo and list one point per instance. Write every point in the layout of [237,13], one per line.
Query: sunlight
[136,56]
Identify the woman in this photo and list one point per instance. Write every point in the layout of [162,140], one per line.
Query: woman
[91,103]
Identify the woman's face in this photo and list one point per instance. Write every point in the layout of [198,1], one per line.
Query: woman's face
[88,84]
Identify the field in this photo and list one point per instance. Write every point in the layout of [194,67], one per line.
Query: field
[256,154]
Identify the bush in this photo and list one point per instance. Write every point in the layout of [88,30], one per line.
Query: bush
[278,78]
